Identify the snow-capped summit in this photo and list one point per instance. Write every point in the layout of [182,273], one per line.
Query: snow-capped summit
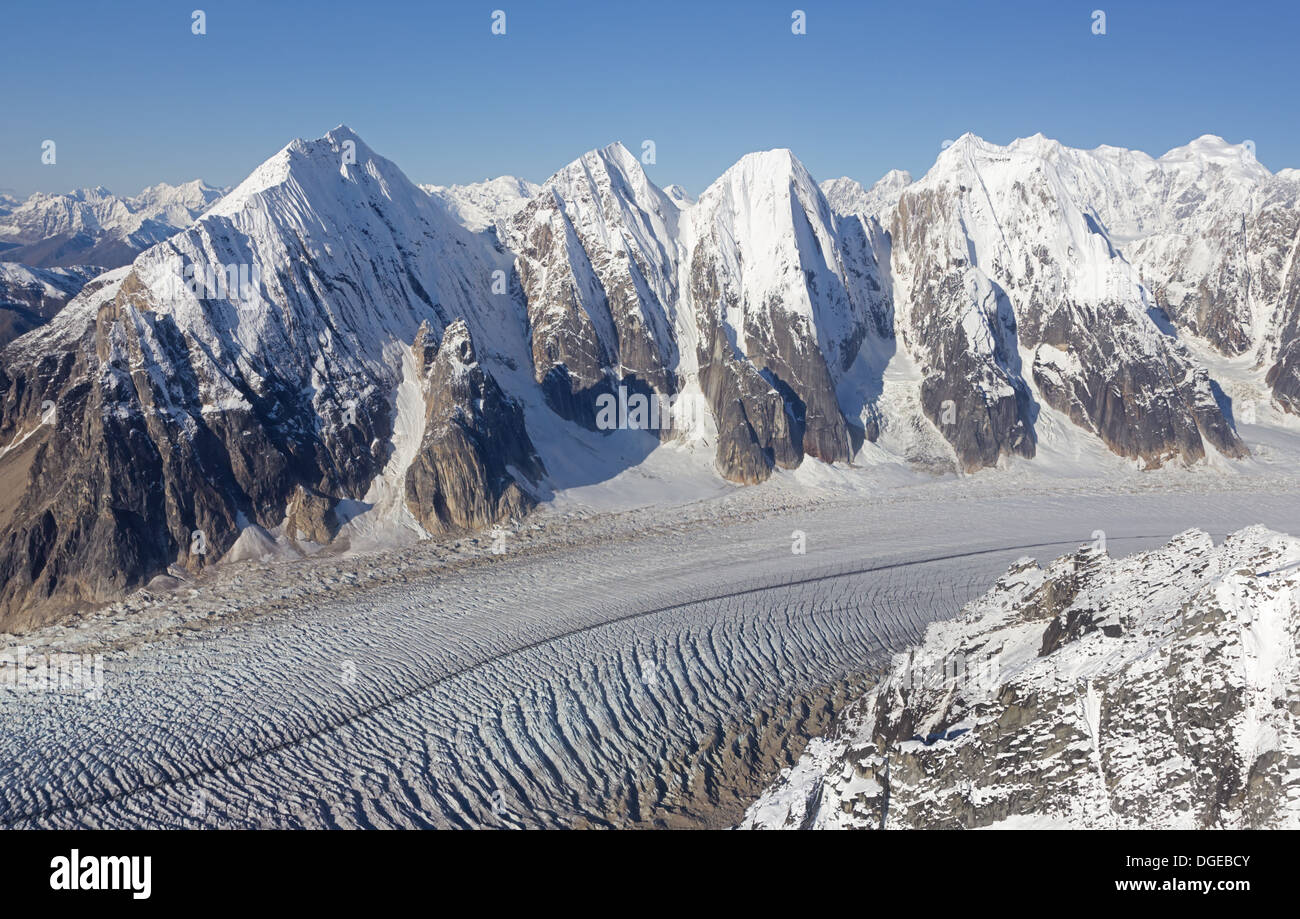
[315,211]
[1210,150]
[176,205]
[1014,294]
[772,227]
[270,361]
[784,295]
[597,263]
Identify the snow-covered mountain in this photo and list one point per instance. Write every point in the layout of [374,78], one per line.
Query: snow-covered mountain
[847,196]
[484,204]
[275,370]
[252,361]
[1156,690]
[92,226]
[783,297]
[1012,294]
[597,265]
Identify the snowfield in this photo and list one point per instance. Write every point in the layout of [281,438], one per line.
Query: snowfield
[646,666]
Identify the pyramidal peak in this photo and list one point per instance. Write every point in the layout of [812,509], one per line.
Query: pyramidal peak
[341,152]
[757,179]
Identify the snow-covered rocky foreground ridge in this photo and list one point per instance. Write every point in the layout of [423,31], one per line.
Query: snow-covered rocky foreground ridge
[1157,690]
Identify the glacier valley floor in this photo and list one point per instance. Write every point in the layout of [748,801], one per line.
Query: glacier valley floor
[654,666]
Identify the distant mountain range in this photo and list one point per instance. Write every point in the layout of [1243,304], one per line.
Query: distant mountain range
[329,342]
[92,226]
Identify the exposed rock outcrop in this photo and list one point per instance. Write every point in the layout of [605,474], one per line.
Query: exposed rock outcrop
[311,516]
[475,453]
[993,256]
[1284,375]
[597,265]
[153,421]
[784,295]
[253,370]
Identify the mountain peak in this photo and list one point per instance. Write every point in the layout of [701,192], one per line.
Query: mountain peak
[847,196]
[618,153]
[778,158]
[894,177]
[1037,143]
[778,166]
[479,205]
[611,159]
[1211,149]
[312,164]
[610,169]
[341,132]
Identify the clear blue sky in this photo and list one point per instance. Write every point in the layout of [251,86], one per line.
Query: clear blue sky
[131,97]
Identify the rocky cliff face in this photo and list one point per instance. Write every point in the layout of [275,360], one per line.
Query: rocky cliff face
[755,298]
[1153,691]
[1210,232]
[1207,226]
[474,456]
[1284,373]
[963,329]
[254,370]
[784,295]
[1013,292]
[597,264]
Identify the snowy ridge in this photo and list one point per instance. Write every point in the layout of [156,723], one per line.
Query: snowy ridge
[766,218]
[1003,243]
[268,386]
[1155,690]
[484,204]
[597,256]
[846,196]
[783,296]
[403,260]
